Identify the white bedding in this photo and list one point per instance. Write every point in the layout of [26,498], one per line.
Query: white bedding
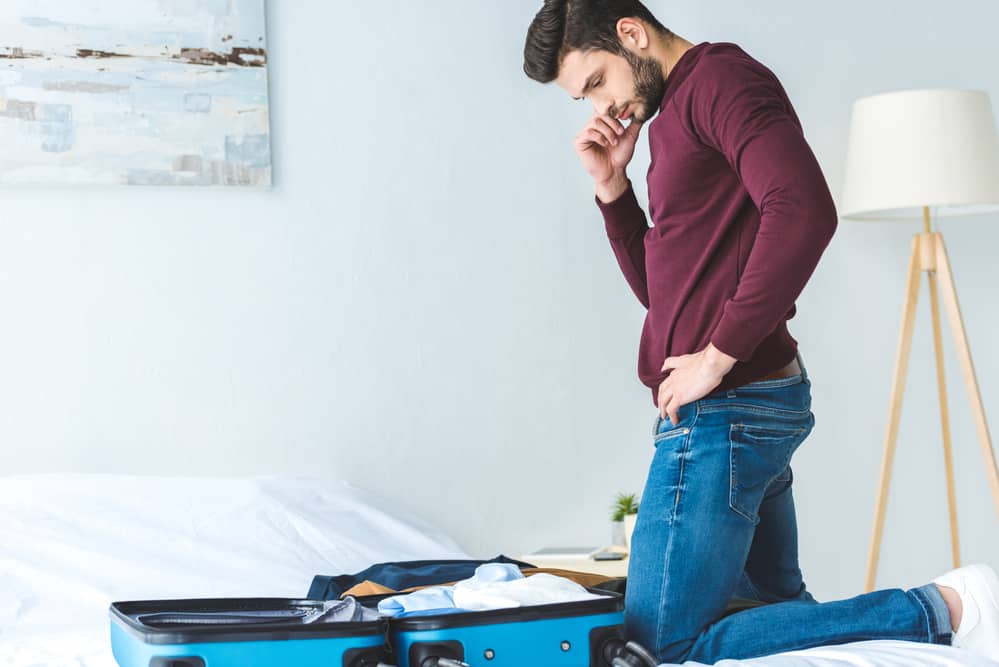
[875,653]
[72,544]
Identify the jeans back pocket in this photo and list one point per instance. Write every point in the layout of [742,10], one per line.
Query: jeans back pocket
[758,455]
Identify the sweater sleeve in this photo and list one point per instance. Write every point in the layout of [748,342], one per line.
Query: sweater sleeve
[740,110]
[626,227]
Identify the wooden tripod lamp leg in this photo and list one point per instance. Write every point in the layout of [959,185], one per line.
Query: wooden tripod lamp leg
[964,356]
[895,407]
[933,278]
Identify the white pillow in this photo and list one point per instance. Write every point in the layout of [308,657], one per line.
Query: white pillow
[72,544]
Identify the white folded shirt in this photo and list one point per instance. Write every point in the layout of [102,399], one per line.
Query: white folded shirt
[536,589]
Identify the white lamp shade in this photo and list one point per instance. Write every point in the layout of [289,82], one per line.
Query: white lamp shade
[914,148]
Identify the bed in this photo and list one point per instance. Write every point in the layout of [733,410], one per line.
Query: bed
[71,544]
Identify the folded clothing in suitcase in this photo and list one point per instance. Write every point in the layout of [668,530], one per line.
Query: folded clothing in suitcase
[399,575]
[585,633]
[242,632]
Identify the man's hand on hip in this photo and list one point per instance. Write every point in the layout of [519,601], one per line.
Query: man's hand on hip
[693,377]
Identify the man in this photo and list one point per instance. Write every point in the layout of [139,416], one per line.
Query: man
[741,214]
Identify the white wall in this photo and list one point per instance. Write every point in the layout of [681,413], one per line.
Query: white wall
[426,303]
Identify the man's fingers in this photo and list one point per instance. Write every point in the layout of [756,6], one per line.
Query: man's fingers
[613,123]
[673,408]
[604,129]
[590,136]
[598,137]
[675,362]
[664,398]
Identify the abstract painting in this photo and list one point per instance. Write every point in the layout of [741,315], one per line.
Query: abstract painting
[134,92]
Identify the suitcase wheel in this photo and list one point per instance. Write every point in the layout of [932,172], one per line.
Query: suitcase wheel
[365,657]
[437,654]
[634,655]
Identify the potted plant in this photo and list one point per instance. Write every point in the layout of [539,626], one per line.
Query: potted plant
[625,508]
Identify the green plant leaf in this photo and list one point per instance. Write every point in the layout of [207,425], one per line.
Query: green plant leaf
[624,504]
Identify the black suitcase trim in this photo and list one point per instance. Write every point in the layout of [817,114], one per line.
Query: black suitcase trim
[126,614]
[607,604]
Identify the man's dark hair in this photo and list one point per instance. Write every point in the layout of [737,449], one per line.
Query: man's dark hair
[567,25]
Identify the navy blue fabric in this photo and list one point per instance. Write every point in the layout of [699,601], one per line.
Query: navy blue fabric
[401,575]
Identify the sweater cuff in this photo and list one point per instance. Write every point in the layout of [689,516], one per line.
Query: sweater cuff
[622,215]
[733,339]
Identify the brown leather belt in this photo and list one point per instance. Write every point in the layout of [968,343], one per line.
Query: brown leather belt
[793,368]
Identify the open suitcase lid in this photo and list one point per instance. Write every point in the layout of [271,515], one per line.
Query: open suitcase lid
[193,621]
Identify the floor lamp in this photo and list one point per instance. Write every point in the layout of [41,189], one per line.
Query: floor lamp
[909,152]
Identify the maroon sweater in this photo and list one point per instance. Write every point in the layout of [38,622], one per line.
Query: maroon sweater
[741,214]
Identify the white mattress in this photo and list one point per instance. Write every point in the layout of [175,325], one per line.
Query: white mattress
[874,653]
[72,544]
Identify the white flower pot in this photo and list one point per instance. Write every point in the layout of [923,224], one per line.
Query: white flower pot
[629,528]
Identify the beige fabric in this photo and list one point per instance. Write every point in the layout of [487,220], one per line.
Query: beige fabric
[585,579]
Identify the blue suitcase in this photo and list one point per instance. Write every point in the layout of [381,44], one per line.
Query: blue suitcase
[239,632]
[588,633]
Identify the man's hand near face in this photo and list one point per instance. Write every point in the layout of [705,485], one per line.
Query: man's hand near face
[605,147]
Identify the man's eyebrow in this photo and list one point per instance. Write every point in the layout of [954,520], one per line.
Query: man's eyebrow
[588,84]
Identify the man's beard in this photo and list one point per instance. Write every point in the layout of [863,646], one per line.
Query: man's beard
[650,85]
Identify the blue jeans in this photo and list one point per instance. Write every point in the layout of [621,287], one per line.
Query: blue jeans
[716,520]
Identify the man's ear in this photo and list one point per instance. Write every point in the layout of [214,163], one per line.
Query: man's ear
[632,33]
